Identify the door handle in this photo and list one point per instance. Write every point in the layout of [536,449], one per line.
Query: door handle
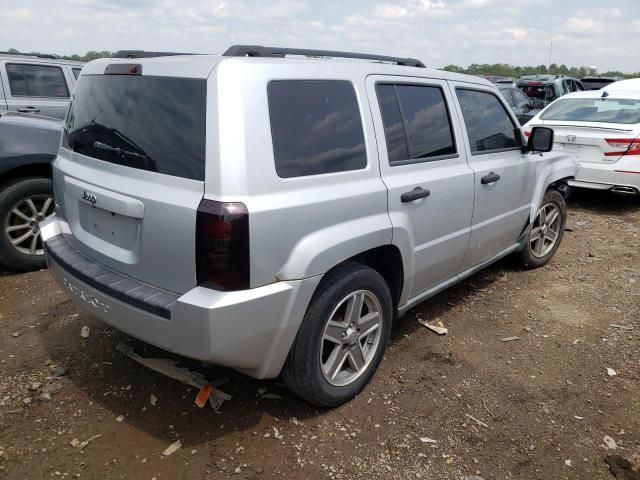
[415,194]
[490,178]
[28,109]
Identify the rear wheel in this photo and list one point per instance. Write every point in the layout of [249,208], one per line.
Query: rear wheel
[342,337]
[546,232]
[22,206]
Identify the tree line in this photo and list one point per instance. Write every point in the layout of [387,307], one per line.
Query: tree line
[501,69]
[506,70]
[87,57]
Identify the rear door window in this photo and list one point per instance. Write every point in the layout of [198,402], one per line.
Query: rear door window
[316,127]
[36,81]
[489,126]
[145,122]
[416,122]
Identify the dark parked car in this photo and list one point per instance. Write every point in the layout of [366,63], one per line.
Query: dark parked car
[596,83]
[28,145]
[521,105]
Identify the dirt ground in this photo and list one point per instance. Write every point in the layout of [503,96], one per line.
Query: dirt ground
[533,408]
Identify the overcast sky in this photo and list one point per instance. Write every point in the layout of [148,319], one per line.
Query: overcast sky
[439,32]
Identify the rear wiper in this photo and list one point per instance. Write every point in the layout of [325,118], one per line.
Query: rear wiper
[116,150]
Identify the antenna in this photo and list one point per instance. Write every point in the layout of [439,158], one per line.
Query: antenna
[550,51]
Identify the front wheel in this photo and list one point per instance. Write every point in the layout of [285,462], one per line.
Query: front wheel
[342,337]
[546,232]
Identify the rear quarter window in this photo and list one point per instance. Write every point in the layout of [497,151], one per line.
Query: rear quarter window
[316,127]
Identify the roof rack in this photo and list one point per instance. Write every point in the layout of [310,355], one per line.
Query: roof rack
[146,54]
[278,52]
[36,55]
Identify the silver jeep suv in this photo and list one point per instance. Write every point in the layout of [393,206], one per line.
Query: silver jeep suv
[275,214]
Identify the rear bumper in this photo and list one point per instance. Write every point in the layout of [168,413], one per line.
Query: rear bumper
[250,330]
[623,173]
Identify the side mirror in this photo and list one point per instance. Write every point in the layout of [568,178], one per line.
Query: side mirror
[540,140]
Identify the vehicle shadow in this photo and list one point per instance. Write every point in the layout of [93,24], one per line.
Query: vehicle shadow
[106,377]
[98,373]
[603,202]
[6,271]
[453,297]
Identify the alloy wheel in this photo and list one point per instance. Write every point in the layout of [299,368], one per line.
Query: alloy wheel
[21,224]
[546,230]
[351,338]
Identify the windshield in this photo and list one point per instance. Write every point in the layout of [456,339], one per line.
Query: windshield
[144,122]
[604,110]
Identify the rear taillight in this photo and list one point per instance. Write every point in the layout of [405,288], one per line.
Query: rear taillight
[222,245]
[527,133]
[625,146]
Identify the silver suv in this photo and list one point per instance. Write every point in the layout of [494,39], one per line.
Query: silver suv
[275,214]
[40,84]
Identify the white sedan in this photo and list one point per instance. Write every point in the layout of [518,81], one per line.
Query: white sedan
[602,128]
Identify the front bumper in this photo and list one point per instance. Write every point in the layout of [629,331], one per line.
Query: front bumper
[619,176]
[249,330]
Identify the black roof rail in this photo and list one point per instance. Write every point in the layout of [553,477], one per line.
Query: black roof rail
[146,54]
[278,52]
[37,55]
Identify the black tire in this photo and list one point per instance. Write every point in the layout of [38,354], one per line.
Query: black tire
[10,195]
[527,256]
[302,371]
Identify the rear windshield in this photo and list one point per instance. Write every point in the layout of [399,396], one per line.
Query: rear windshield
[540,92]
[596,83]
[609,110]
[144,122]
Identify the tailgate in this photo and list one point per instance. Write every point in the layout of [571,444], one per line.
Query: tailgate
[133,222]
[130,174]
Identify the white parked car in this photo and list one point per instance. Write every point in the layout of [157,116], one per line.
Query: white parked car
[602,128]
[629,85]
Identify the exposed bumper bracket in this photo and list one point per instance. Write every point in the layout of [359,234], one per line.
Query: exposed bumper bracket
[171,369]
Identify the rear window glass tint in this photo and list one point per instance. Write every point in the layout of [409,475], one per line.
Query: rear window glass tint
[36,81]
[397,148]
[145,122]
[597,110]
[489,126]
[316,127]
[416,121]
[427,121]
[596,84]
